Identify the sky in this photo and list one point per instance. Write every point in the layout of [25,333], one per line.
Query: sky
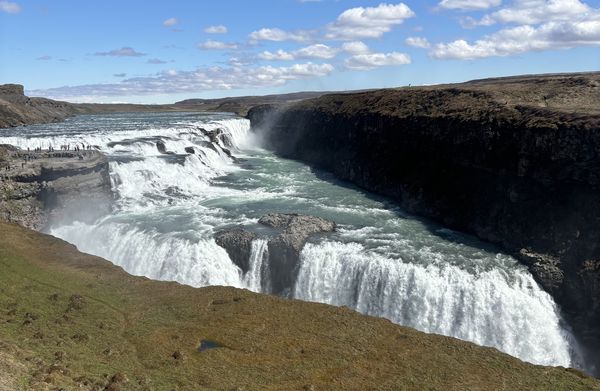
[165,51]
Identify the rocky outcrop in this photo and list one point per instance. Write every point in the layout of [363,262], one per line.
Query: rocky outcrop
[40,187]
[17,109]
[515,162]
[238,244]
[291,231]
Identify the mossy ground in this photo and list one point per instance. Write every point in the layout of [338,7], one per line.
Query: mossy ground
[72,321]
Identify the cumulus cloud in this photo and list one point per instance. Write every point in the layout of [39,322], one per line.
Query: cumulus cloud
[204,79]
[469,5]
[156,61]
[280,55]
[541,25]
[170,22]
[520,39]
[123,52]
[355,47]
[220,29]
[217,45]
[538,11]
[375,60]
[370,22]
[9,7]
[317,51]
[278,35]
[418,42]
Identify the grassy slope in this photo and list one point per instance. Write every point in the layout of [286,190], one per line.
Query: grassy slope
[50,338]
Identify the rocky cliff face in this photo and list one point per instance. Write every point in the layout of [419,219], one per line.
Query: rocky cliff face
[17,109]
[36,188]
[515,162]
[285,243]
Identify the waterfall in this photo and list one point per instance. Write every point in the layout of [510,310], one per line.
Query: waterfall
[379,262]
[505,310]
[255,278]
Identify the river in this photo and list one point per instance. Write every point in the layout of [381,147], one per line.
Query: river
[381,261]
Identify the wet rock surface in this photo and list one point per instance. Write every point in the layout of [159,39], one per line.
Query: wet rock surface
[238,244]
[284,246]
[36,187]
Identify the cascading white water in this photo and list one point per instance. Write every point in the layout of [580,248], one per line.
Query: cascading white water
[259,255]
[493,308]
[380,262]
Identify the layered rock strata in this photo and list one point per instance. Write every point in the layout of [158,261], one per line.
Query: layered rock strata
[39,187]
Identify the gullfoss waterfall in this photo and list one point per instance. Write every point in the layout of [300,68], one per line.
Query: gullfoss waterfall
[380,261]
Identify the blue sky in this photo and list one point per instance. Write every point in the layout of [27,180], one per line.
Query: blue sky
[161,52]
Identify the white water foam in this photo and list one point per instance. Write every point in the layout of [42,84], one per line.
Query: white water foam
[254,278]
[162,228]
[494,308]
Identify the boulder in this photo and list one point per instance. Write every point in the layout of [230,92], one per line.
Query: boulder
[190,150]
[238,244]
[160,145]
[284,248]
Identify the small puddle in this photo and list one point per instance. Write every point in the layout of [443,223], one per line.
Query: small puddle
[206,345]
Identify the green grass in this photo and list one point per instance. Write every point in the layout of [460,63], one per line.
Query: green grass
[73,321]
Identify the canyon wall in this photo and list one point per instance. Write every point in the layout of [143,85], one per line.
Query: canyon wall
[515,162]
[37,188]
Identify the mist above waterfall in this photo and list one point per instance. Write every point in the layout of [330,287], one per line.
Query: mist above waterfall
[380,262]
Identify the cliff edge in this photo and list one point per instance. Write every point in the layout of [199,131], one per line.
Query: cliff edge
[39,186]
[74,321]
[515,161]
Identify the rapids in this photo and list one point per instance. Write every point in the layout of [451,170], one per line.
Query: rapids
[380,262]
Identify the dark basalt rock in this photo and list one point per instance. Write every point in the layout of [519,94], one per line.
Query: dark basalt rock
[190,150]
[238,244]
[160,145]
[291,233]
[285,248]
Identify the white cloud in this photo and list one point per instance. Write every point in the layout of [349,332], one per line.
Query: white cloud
[217,45]
[355,47]
[469,5]
[538,11]
[278,35]
[170,22]
[541,25]
[123,52]
[44,58]
[280,55]
[10,7]
[370,22]
[521,39]
[204,79]
[318,51]
[220,29]
[374,60]
[418,42]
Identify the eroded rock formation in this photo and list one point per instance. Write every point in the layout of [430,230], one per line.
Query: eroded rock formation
[38,187]
[291,231]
